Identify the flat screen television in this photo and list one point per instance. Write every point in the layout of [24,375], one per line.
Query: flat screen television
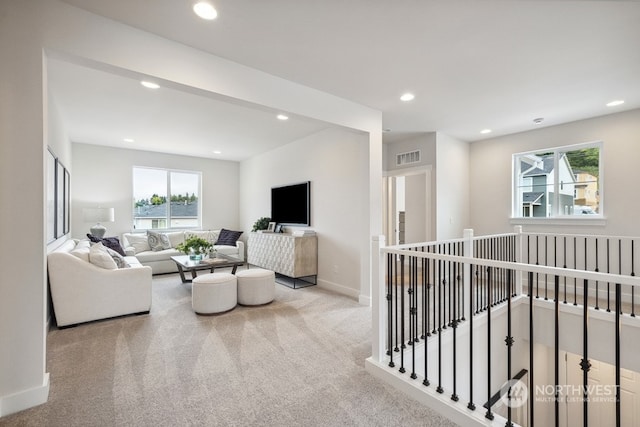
[291,204]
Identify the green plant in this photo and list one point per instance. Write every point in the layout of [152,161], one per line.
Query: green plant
[261,224]
[198,244]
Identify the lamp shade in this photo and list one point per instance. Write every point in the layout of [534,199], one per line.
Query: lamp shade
[98,214]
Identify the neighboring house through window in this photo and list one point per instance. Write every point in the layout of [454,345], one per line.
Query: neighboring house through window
[164,198]
[564,181]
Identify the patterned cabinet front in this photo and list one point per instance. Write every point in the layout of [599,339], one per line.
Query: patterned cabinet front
[284,253]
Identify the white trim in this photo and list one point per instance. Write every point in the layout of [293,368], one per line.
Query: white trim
[407,171]
[334,287]
[25,399]
[592,221]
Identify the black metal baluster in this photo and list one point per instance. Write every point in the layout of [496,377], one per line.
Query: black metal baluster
[618,326]
[471,405]
[586,301]
[423,277]
[390,285]
[608,283]
[585,364]
[537,263]
[425,382]
[597,270]
[454,325]
[427,300]
[439,389]
[436,289]
[557,353]
[451,283]
[489,414]
[564,265]
[413,314]
[531,377]
[395,287]
[546,263]
[509,341]
[575,267]
[633,288]
[402,346]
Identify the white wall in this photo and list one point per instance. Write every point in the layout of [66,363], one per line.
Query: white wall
[416,208]
[452,187]
[23,140]
[30,28]
[490,177]
[334,161]
[103,176]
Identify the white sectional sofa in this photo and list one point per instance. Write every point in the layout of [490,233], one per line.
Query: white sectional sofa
[160,260]
[83,291]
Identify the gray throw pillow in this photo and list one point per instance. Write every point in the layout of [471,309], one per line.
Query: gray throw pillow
[158,241]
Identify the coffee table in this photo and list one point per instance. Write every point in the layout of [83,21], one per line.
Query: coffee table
[184,263]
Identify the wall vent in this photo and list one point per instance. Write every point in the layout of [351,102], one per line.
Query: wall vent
[408,158]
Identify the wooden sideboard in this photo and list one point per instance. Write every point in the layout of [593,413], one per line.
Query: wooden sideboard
[292,256]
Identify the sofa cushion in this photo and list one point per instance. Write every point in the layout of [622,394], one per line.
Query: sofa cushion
[99,257]
[163,255]
[175,238]
[228,237]
[110,242]
[158,241]
[81,252]
[118,259]
[208,235]
[139,242]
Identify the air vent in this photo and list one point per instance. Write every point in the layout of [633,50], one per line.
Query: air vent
[408,158]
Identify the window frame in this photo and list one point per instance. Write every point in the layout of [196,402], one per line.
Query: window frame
[168,217]
[557,217]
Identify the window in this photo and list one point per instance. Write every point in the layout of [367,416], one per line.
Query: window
[564,181]
[165,198]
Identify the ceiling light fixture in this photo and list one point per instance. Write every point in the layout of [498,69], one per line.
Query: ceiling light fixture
[538,120]
[407,97]
[282,117]
[205,10]
[149,85]
[217,152]
[484,131]
[615,103]
[129,140]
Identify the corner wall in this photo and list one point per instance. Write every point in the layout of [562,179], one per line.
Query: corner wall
[103,176]
[335,161]
[490,176]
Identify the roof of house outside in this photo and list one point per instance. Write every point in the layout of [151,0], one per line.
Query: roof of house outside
[532,197]
[178,209]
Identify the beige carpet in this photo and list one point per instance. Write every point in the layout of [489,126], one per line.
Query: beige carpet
[296,362]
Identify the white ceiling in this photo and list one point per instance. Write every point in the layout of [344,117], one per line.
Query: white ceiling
[472,64]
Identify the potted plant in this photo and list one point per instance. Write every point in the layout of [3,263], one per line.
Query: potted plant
[261,224]
[195,247]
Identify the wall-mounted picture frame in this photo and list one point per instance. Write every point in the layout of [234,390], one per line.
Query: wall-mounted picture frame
[271,227]
[59,199]
[51,196]
[67,202]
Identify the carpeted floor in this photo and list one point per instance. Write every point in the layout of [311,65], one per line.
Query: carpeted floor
[298,361]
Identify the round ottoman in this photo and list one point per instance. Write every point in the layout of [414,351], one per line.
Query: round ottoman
[256,286]
[214,293]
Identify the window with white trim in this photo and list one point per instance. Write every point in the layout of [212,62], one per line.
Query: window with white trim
[558,182]
[165,198]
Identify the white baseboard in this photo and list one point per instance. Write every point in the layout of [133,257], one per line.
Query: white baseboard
[334,287]
[25,399]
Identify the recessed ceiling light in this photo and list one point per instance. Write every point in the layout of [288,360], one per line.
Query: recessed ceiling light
[407,97]
[129,140]
[485,131]
[614,103]
[538,120]
[150,85]
[386,130]
[217,152]
[282,117]
[205,10]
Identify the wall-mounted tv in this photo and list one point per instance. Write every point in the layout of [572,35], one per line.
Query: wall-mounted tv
[291,204]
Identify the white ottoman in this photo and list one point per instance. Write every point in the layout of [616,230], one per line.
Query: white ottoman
[214,293]
[256,286]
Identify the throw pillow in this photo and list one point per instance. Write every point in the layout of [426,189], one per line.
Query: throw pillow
[158,241]
[139,242]
[118,259]
[228,237]
[109,242]
[99,257]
